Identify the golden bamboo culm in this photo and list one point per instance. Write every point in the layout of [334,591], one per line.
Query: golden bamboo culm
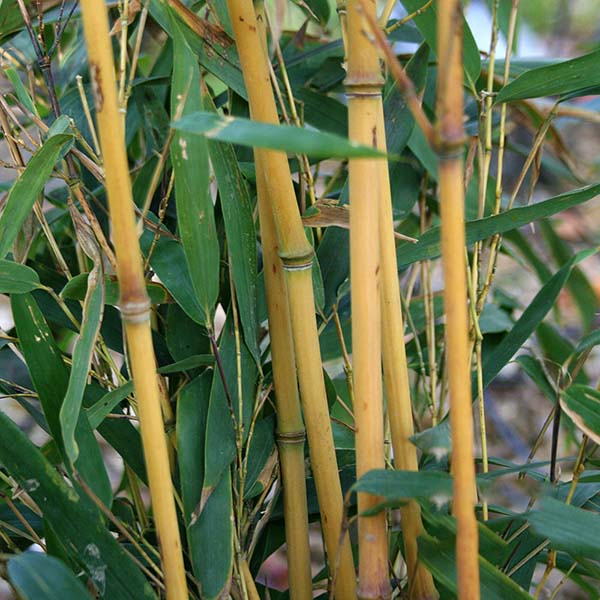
[363,89]
[397,385]
[290,426]
[296,256]
[134,301]
[450,139]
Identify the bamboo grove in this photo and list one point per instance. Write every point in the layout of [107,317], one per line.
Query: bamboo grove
[263,286]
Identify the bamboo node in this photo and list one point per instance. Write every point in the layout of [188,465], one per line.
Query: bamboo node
[367,85]
[447,151]
[135,311]
[291,437]
[297,261]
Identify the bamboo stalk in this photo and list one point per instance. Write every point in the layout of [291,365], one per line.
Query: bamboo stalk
[290,427]
[397,384]
[449,144]
[395,368]
[363,84]
[134,301]
[291,433]
[297,255]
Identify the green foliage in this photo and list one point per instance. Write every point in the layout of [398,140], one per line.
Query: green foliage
[64,371]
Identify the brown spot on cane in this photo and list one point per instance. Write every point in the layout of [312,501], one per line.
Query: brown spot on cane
[96,86]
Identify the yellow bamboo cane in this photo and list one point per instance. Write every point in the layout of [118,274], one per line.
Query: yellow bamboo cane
[421,586]
[420,581]
[297,255]
[363,84]
[450,142]
[134,302]
[290,427]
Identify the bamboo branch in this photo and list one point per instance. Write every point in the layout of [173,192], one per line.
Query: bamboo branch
[134,301]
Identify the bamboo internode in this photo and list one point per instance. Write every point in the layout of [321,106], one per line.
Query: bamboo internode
[134,301]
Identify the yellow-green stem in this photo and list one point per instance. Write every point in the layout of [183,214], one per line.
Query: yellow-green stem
[420,581]
[363,85]
[297,255]
[134,302]
[450,140]
[290,427]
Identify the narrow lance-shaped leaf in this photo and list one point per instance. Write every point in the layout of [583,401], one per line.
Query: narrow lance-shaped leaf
[220,445]
[582,404]
[581,289]
[74,519]
[16,278]
[51,379]
[189,154]
[169,263]
[287,138]
[240,233]
[427,24]
[530,319]
[93,308]
[214,522]
[440,558]
[428,246]
[27,188]
[38,576]
[568,528]
[562,78]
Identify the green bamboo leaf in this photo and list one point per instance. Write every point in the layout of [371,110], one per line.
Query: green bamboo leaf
[93,309]
[16,278]
[533,367]
[38,576]
[287,138]
[582,292]
[428,246]
[27,188]
[11,19]
[75,520]
[214,522]
[319,10]
[169,263]
[435,440]
[568,528]
[530,319]
[240,233]
[189,155]
[220,446]
[395,485]
[566,77]
[261,453]
[51,380]
[589,341]
[20,90]
[186,364]
[440,559]
[427,25]
[76,288]
[216,50]
[103,407]
[582,404]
